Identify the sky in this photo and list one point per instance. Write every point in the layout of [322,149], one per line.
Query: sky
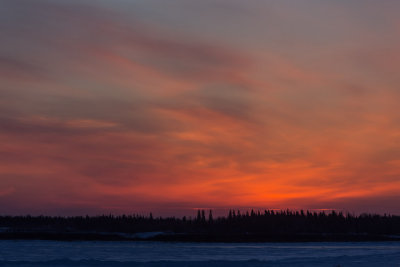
[173,106]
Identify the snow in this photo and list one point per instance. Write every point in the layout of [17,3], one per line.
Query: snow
[88,253]
[145,235]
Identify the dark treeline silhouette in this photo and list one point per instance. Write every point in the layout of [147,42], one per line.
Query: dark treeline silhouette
[268,225]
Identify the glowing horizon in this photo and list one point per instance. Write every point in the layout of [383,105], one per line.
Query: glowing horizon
[166,107]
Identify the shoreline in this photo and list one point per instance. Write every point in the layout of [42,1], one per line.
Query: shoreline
[197,238]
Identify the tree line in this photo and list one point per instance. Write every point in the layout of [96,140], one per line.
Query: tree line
[267,222]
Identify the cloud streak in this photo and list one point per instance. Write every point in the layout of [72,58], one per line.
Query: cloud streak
[101,111]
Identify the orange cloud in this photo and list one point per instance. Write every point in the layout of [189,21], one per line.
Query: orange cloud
[102,112]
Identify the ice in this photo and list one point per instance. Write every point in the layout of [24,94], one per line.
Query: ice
[57,253]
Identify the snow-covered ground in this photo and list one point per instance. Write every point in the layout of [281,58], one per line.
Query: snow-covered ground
[56,253]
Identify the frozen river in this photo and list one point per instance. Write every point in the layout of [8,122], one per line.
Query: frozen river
[57,253]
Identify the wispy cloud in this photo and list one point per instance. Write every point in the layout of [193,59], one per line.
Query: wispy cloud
[105,107]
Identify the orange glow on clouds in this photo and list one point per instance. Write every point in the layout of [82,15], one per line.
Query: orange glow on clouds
[120,108]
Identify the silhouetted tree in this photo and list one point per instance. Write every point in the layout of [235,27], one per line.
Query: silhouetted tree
[268,223]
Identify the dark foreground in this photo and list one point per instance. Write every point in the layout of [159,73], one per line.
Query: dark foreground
[266,226]
[190,237]
[28,253]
